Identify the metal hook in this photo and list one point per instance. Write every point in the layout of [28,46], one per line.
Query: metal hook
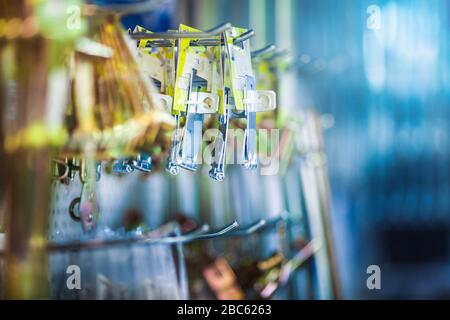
[181,238]
[234,225]
[273,222]
[192,237]
[198,234]
[279,53]
[263,51]
[249,230]
[83,171]
[245,36]
[258,226]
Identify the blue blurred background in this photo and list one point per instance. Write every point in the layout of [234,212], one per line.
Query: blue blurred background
[378,74]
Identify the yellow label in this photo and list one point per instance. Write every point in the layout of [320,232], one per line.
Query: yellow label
[239,61]
[160,64]
[207,62]
[181,83]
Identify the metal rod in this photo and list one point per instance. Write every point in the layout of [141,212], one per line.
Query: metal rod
[260,225]
[249,230]
[189,238]
[201,37]
[181,35]
[199,234]
[263,51]
[245,36]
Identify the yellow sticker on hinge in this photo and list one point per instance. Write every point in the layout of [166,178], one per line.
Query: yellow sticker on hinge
[189,58]
[159,64]
[181,87]
[239,59]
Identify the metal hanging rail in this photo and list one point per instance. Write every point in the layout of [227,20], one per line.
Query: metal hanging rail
[163,39]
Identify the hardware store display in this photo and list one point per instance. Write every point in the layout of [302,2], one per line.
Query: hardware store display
[170,149]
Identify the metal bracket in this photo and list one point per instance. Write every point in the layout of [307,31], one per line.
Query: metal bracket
[217,171]
[186,147]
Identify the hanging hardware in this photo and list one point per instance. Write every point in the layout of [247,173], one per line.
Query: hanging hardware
[288,268]
[198,104]
[86,203]
[247,100]
[199,39]
[186,141]
[260,225]
[198,236]
[194,97]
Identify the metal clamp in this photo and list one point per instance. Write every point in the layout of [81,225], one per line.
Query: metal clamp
[263,51]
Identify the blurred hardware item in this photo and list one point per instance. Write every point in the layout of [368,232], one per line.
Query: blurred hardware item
[34,128]
[316,192]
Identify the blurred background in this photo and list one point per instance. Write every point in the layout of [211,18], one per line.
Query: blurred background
[378,74]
